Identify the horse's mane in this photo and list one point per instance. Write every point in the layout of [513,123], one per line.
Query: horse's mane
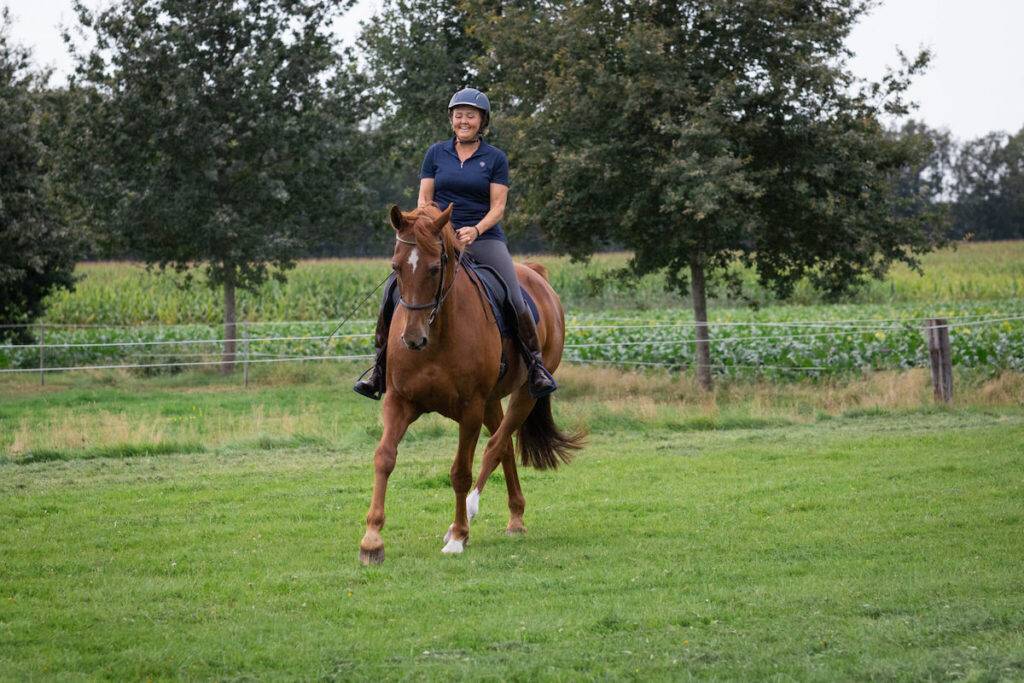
[426,241]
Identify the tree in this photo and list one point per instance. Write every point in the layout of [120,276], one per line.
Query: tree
[1013,185]
[417,54]
[222,132]
[37,250]
[929,185]
[696,133]
[989,179]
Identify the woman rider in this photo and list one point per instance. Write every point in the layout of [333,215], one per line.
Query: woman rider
[473,175]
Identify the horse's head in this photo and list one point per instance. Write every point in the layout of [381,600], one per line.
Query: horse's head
[423,262]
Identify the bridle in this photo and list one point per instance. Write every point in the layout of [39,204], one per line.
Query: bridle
[441,294]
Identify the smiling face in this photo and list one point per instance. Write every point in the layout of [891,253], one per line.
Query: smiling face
[466,122]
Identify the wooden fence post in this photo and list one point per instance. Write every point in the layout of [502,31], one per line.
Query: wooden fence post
[245,352]
[937,330]
[42,354]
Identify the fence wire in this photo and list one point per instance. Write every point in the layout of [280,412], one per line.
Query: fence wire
[246,354]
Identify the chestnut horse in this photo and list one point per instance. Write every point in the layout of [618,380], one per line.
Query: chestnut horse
[444,353]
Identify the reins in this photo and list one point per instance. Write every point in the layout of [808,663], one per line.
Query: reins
[441,293]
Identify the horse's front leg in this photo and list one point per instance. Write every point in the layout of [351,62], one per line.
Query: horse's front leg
[398,414]
[462,477]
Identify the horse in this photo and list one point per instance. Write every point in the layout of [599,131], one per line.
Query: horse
[444,353]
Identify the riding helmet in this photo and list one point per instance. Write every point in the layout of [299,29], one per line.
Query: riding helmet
[472,97]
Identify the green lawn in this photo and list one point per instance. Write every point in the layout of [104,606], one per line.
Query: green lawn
[737,541]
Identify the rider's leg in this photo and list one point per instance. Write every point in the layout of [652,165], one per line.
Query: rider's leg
[494,253]
[374,385]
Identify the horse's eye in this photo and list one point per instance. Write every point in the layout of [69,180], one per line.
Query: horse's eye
[435,268]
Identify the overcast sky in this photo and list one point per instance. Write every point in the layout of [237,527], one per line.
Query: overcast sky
[975,84]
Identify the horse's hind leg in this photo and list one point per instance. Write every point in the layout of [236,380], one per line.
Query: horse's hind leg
[398,415]
[462,477]
[495,449]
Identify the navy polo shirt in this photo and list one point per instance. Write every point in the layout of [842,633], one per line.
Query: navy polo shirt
[466,184]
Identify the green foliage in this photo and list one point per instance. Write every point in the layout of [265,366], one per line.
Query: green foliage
[220,132]
[128,294]
[989,174]
[37,249]
[975,280]
[417,55]
[693,132]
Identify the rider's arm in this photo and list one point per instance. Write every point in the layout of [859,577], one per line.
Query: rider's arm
[499,197]
[426,191]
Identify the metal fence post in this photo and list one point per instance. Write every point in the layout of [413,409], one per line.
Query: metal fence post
[245,353]
[941,359]
[42,354]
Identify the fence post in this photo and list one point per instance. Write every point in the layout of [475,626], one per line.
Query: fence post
[42,354]
[245,353]
[941,359]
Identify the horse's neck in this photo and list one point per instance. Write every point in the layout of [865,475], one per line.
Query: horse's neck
[458,312]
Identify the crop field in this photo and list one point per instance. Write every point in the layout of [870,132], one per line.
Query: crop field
[126,294]
[181,527]
[976,286]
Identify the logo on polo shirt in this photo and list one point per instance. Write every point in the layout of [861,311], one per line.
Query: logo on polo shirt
[482,164]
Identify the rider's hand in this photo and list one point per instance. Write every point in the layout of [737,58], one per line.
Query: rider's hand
[467,235]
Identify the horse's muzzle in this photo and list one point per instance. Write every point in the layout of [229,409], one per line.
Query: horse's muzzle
[415,344]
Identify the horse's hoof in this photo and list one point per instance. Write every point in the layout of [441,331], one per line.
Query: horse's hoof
[368,557]
[515,531]
[473,503]
[453,547]
[448,534]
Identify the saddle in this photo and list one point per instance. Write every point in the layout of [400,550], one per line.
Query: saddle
[496,291]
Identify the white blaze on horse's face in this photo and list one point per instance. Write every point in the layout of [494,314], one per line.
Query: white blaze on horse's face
[414,258]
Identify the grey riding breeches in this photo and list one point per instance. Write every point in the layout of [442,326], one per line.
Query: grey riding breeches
[494,253]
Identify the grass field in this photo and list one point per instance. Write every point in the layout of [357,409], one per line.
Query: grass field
[180,527]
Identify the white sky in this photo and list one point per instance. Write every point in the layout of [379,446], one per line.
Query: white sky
[975,83]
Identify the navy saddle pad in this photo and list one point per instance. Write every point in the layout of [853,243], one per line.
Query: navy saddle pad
[497,295]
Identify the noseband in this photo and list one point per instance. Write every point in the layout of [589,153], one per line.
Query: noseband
[441,293]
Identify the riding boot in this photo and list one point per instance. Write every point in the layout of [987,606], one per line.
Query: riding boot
[539,381]
[375,385]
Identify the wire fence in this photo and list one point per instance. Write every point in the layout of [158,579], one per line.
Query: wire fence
[781,347]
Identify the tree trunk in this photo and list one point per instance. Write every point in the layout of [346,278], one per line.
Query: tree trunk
[700,315]
[228,359]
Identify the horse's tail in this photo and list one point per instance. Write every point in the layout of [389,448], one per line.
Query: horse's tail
[537,268]
[541,443]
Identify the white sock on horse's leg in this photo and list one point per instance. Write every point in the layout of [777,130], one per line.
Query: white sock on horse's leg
[472,508]
[453,547]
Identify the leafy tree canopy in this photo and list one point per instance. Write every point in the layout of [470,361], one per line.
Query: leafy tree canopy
[222,132]
[694,132]
[698,132]
[417,54]
[989,181]
[37,250]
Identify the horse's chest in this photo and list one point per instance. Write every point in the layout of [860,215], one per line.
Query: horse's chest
[428,386]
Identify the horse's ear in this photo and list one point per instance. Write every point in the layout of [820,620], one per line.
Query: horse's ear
[396,217]
[443,219]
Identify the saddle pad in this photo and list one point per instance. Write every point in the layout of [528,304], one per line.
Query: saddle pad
[497,295]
